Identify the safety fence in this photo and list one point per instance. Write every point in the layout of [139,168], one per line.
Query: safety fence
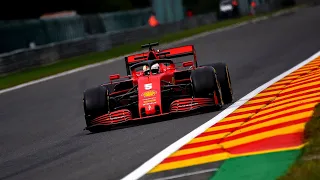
[50,53]
[46,54]
[20,34]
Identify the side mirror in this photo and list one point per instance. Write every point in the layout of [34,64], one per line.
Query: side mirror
[188,63]
[114,77]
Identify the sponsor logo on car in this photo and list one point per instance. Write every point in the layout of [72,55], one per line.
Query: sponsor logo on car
[119,117]
[149,93]
[149,100]
[187,105]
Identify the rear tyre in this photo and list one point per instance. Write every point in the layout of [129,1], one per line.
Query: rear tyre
[224,80]
[205,83]
[95,103]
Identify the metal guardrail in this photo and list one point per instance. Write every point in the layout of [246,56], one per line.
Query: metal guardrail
[42,55]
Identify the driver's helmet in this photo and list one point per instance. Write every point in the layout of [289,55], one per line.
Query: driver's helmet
[155,68]
[146,70]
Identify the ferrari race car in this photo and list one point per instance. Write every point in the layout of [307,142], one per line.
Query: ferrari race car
[157,84]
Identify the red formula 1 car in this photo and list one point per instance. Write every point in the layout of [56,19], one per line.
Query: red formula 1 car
[157,83]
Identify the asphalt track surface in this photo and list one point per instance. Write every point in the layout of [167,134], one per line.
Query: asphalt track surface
[41,126]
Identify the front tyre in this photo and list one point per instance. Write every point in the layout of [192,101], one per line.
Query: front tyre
[224,80]
[205,84]
[95,103]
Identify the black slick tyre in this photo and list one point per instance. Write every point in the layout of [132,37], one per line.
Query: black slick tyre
[205,83]
[224,80]
[95,103]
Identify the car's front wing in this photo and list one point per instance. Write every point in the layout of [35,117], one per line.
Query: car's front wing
[177,106]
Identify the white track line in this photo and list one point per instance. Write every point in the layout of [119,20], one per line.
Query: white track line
[188,174]
[154,161]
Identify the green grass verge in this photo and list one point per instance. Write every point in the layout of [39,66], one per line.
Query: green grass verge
[17,78]
[307,166]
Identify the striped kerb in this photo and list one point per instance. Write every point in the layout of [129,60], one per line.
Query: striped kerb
[273,120]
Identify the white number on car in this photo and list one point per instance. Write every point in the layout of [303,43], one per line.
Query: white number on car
[148,86]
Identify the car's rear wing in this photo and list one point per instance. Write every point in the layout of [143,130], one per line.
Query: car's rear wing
[169,53]
[176,52]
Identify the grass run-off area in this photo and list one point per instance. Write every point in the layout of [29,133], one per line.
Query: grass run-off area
[307,166]
[17,78]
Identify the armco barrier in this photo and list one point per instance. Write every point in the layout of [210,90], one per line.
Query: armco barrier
[47,54]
